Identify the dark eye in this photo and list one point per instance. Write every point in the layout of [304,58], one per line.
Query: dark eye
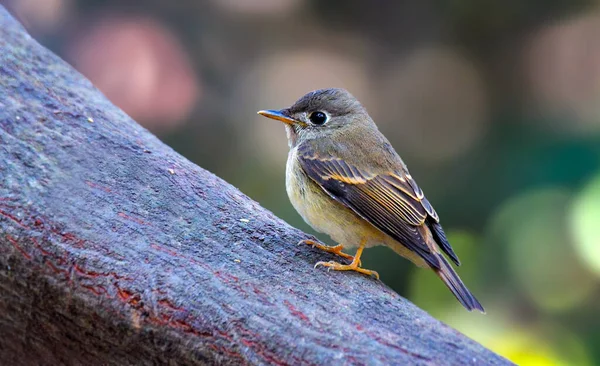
[318,118]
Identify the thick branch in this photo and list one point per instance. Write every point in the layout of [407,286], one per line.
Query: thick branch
[114,249]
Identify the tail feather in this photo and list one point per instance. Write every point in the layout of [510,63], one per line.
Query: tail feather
[440,238]
[455,284]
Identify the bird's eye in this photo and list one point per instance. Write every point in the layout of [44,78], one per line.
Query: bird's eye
[318,118]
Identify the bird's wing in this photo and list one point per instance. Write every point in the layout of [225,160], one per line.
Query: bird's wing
[392,202]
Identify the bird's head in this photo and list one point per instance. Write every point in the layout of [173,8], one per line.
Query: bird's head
[319,114]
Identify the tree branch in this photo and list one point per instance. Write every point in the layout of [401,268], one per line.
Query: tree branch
[114,249]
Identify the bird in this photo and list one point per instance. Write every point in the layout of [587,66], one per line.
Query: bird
[346,180]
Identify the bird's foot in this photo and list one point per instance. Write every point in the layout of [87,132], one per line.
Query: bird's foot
[337,250]
[347,267]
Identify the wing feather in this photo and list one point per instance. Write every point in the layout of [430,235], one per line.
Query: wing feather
[391,202]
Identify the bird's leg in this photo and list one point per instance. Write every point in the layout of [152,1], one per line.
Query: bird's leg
[354,266]
[335,249]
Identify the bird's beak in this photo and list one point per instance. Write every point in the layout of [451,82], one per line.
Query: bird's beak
[280,116]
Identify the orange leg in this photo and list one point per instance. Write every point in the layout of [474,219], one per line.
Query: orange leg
[335,249]
[354,266]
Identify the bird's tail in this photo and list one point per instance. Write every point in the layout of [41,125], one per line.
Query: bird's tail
[456,285]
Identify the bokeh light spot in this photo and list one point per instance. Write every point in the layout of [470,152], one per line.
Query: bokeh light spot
[437,97]
[541,257]
[525,342]
[259,7]
[541,346]
[585,224]
[562,65]
[140,66]
[41,16]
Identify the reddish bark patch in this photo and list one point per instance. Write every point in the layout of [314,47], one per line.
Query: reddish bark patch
[14,218]
[295,312]
[15,245]
[98,186]
[168,304]
[131,218]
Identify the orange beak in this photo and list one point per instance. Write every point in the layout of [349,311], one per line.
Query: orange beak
[280,116]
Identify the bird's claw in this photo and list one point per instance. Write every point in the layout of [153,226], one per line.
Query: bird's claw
[346,267]
[337,249]
[325,264]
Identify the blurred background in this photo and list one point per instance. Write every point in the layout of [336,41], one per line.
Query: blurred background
[495,107]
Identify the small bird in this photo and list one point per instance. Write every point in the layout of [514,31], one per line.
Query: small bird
[346,180]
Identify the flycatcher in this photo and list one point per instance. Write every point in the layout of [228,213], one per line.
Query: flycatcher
[346,180]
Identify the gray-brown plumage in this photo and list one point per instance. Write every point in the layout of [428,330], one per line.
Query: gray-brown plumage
[346,180]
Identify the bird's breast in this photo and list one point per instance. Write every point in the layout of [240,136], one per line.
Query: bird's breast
[297,183]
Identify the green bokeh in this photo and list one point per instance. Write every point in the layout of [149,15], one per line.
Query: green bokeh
[540,254]
[585,224]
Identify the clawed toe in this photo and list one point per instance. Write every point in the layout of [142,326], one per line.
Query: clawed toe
[354,266]
[337,249]
[326,264]
[346,267]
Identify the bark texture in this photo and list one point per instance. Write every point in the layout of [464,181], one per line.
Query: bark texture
[114,249]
